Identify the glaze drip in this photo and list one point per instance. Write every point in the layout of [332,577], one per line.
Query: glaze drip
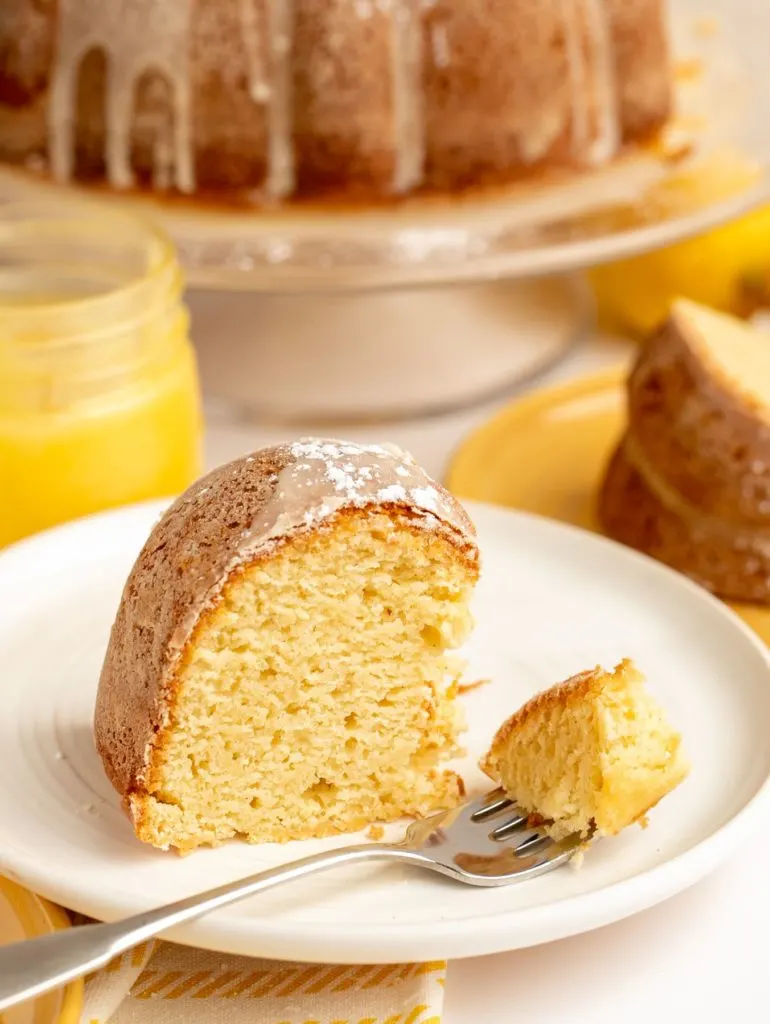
[142,36]
[408,94]
[606,134]
[137,36]
[591,70]
[270,85]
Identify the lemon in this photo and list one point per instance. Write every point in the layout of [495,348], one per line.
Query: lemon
[713,269]
[718,269]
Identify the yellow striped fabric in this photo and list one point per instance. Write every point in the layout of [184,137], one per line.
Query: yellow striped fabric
[161,983]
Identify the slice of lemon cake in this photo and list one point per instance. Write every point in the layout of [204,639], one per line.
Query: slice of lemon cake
[278,668]
[689,482]
[594,753]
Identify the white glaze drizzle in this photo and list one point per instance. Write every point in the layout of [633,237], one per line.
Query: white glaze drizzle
[439,39]
[604,143]
[270,85]
[591,71]
[577,73]
[163,154]
[137,36]
[280,147]
[326,476]
[140,36]
[259,88]
[406,50]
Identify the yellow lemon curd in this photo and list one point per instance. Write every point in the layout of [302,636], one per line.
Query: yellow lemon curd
[99,397]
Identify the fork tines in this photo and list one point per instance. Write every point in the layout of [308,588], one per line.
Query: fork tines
[495,805]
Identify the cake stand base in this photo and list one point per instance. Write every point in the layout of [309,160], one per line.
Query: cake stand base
[362,357]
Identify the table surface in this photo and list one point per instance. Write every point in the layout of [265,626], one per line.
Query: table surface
[700,952]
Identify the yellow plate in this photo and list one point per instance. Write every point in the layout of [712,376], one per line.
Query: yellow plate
[23,915]
[546,454]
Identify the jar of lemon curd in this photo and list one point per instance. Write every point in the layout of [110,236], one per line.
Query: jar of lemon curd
[99,397]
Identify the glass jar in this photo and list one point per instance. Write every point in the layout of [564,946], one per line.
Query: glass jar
[99,396]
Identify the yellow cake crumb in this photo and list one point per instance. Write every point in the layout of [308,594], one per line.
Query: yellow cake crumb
[315,701]
[591,755]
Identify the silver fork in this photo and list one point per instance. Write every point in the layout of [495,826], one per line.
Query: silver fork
[485,842]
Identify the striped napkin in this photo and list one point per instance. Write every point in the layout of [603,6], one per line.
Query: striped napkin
[162,983]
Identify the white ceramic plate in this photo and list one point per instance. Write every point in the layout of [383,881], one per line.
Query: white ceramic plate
[553,600]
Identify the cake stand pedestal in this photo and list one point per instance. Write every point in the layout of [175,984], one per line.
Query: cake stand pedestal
[395,354]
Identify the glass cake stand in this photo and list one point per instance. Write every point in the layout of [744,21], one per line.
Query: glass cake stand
[432,304]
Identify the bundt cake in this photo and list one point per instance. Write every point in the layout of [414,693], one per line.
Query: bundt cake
[278,667]
[589,756]
[272,99]
[689,482]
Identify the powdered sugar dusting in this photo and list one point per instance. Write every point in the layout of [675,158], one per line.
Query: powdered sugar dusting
[394,492]
[322,478]
[425,497]
[326,476]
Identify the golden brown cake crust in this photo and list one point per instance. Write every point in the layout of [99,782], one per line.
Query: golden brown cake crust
[704,439]
[577,687]
[689,483]
[630,757]
[731,563]
[226,521]
[495,90]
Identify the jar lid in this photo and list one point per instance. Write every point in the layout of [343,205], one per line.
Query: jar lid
[24,915]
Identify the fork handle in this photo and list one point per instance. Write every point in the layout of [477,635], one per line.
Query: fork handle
[28,969]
